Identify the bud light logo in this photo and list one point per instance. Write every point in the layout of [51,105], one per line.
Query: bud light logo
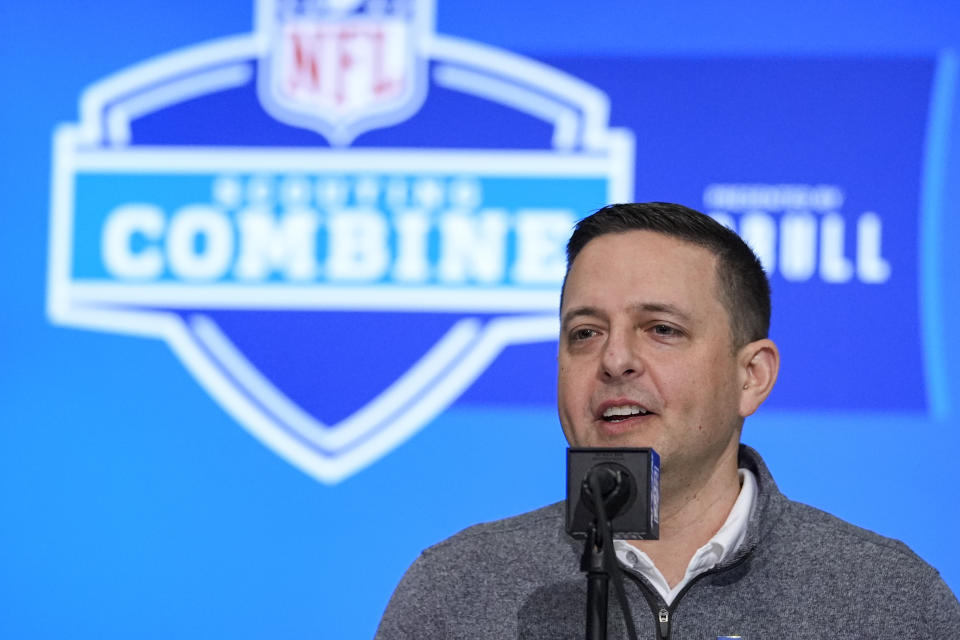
[799,233]
[331,291]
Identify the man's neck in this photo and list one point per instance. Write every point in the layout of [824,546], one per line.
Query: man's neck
[690,514]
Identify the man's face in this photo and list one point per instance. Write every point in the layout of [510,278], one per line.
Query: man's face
[645,357]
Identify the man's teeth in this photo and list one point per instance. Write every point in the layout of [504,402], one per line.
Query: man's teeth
[624,411]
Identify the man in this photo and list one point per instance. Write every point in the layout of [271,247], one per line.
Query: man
[663,343]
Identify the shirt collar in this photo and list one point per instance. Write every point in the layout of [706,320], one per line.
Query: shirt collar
[719,548]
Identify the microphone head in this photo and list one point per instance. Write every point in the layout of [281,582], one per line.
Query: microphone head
[615,485]
[628,483]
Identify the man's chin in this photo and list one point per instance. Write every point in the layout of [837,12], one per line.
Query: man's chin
[617,436]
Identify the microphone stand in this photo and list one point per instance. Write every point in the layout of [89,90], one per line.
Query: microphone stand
[609,491]
[598,583]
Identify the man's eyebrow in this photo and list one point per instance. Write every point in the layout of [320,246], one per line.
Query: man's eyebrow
[661,307]
[581,311]
[646,307]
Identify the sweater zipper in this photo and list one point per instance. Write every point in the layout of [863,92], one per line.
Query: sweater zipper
[664,613]
[663,620]
[659,608]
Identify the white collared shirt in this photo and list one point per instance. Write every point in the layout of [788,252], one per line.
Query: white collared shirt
[719,548]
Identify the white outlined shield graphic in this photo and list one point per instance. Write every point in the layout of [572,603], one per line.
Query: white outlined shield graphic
[155,240]
[342,68]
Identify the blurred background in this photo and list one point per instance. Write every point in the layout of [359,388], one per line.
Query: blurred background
[280,285]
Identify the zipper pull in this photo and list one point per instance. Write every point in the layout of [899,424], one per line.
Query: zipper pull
[663,617]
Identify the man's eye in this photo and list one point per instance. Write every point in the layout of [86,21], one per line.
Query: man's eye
[582,334]
[665,330]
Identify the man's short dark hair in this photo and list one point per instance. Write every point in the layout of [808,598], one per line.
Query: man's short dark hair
[744,289]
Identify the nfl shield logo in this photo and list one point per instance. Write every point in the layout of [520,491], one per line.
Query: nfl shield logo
[342,67]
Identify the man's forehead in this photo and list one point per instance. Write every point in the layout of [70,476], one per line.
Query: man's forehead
[640,252]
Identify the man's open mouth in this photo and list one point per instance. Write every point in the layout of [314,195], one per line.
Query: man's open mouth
[623,412]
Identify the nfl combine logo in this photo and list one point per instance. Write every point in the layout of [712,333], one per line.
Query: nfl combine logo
[286,211]
[343,66]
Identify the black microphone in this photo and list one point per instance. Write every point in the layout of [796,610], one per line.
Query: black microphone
[615,485]
[629,484]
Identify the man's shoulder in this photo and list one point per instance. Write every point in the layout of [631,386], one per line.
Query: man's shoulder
[487,579]
[534,542]
[811,531]
[820,560]
[797,533]
[540,527]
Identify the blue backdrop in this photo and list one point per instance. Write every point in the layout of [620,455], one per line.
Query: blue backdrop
[184,445]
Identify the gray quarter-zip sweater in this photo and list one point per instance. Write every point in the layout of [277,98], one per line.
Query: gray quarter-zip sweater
[800,573]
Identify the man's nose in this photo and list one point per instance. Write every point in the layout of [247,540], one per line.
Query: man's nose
[621,358]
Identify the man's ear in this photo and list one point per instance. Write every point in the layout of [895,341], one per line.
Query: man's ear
[758,365]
